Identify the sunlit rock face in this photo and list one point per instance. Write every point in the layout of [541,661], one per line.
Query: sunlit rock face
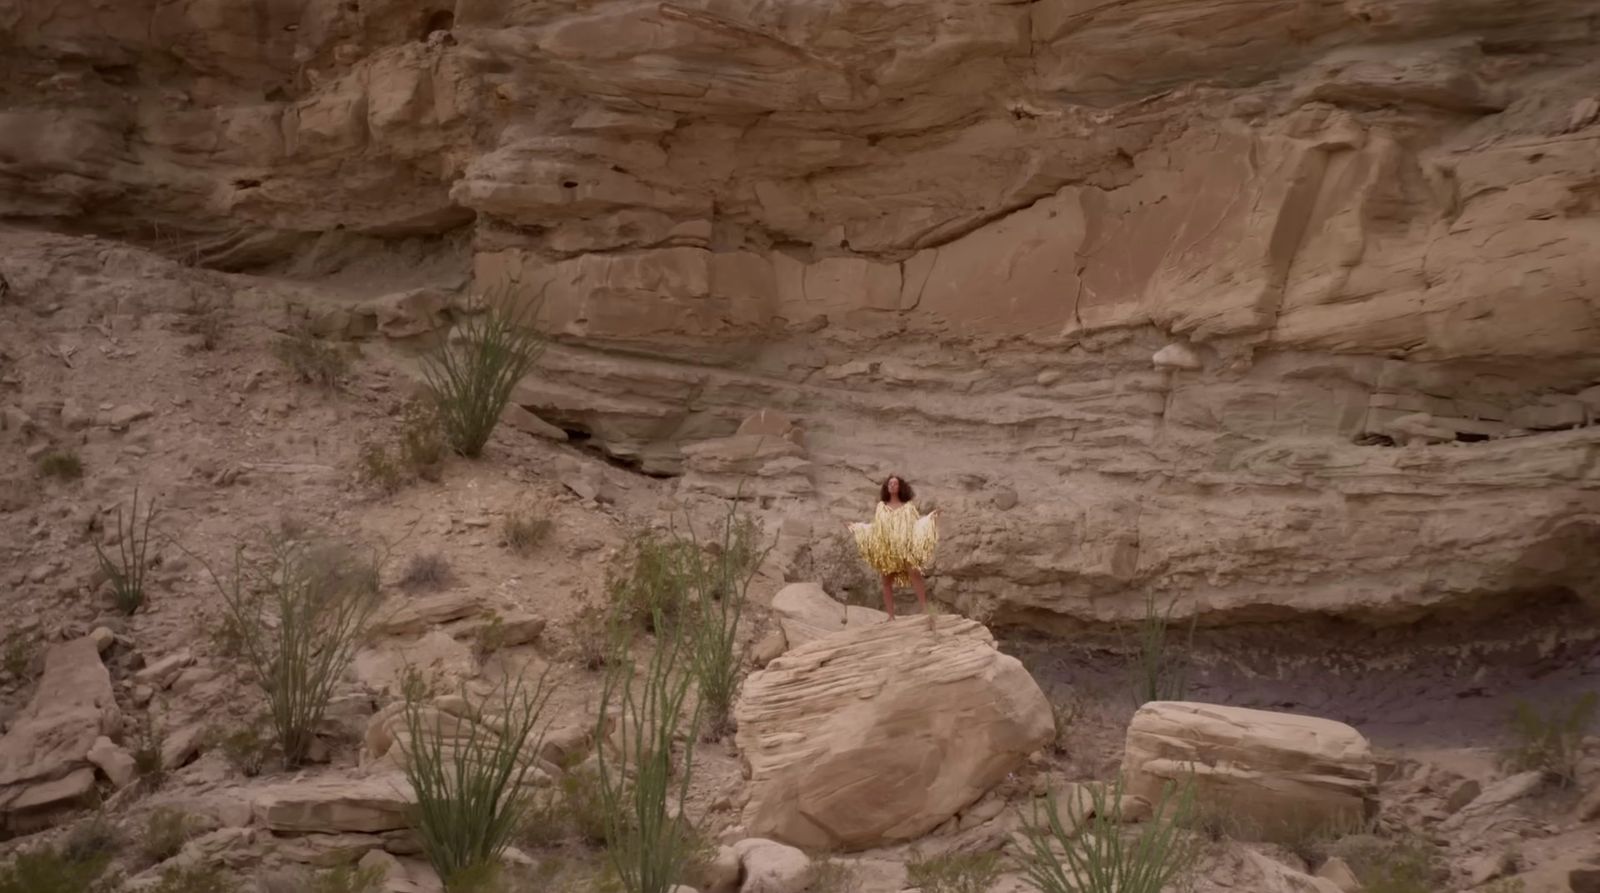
[1271,307]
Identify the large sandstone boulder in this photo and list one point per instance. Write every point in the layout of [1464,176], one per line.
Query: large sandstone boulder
[1269,775]
[807,613]
[44,758]
[881,733]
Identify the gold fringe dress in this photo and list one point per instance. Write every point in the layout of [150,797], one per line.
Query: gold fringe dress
[897,540]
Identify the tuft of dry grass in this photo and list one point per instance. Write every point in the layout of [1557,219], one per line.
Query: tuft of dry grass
[524,532]
[61,464]
[165,832]
[426,572]
[311,360]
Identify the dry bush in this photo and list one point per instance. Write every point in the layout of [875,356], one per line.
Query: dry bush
[246,748]
[349,879]
[1550,741]
[426,572]
[166,830]
[148,738]
[954,872]
[590,634]
[17,656]
[524,532]
[49,870]
[63,464]
[194,879]
[1391,865]
[418,453]
[205,318]
[312,360]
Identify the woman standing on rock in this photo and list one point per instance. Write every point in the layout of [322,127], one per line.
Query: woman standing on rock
[897,543]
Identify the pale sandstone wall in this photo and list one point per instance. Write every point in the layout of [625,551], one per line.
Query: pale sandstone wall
[951,237]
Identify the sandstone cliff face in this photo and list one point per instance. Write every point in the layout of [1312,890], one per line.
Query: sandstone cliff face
[1274,305]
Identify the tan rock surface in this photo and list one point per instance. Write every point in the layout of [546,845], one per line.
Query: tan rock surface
[45,763]
[883,733]
[944,237]
[1267,775]
[332,805]
[805,614]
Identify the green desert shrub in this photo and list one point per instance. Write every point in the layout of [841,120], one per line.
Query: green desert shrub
[1551,740]
[1092,851]
[643,786]
[299,613]
[1159,667]
[126,570]
[469,776]
[471,376]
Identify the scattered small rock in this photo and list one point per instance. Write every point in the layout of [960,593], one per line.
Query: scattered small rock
[182,746]
[772,867]
[103,639]
[164,672]
[528,423]
[123,416]
[116,763]
[1340,874]
[1464,793]
[1176,356]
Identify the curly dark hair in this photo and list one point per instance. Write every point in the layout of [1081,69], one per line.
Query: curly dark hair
[906,493]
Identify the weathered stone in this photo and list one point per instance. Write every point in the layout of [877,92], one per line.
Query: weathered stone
[895,224]
[1275,877]
[44,755]
[1462,794]
[182,746]
[336,805]
[807,613]
[1338,872]
[163,672]
[402,875]
[528,423]
[768,647]
[121,417]
[720,874]
[117,764]
[414,616]
[771,867]
[1271,775]
[1176,356]
[501,630]
[103,639]
[883,732]
[1495,798]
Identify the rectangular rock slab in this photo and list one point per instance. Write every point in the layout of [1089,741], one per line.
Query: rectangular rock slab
[334,805]
[1271,774]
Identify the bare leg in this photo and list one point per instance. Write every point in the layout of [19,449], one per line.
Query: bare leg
[922,594]
[888,597]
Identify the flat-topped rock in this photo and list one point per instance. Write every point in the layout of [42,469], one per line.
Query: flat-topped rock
[883,732]
[334,804]
[1270,774]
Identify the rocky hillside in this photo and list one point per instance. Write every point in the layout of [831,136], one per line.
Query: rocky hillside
[1274,306]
